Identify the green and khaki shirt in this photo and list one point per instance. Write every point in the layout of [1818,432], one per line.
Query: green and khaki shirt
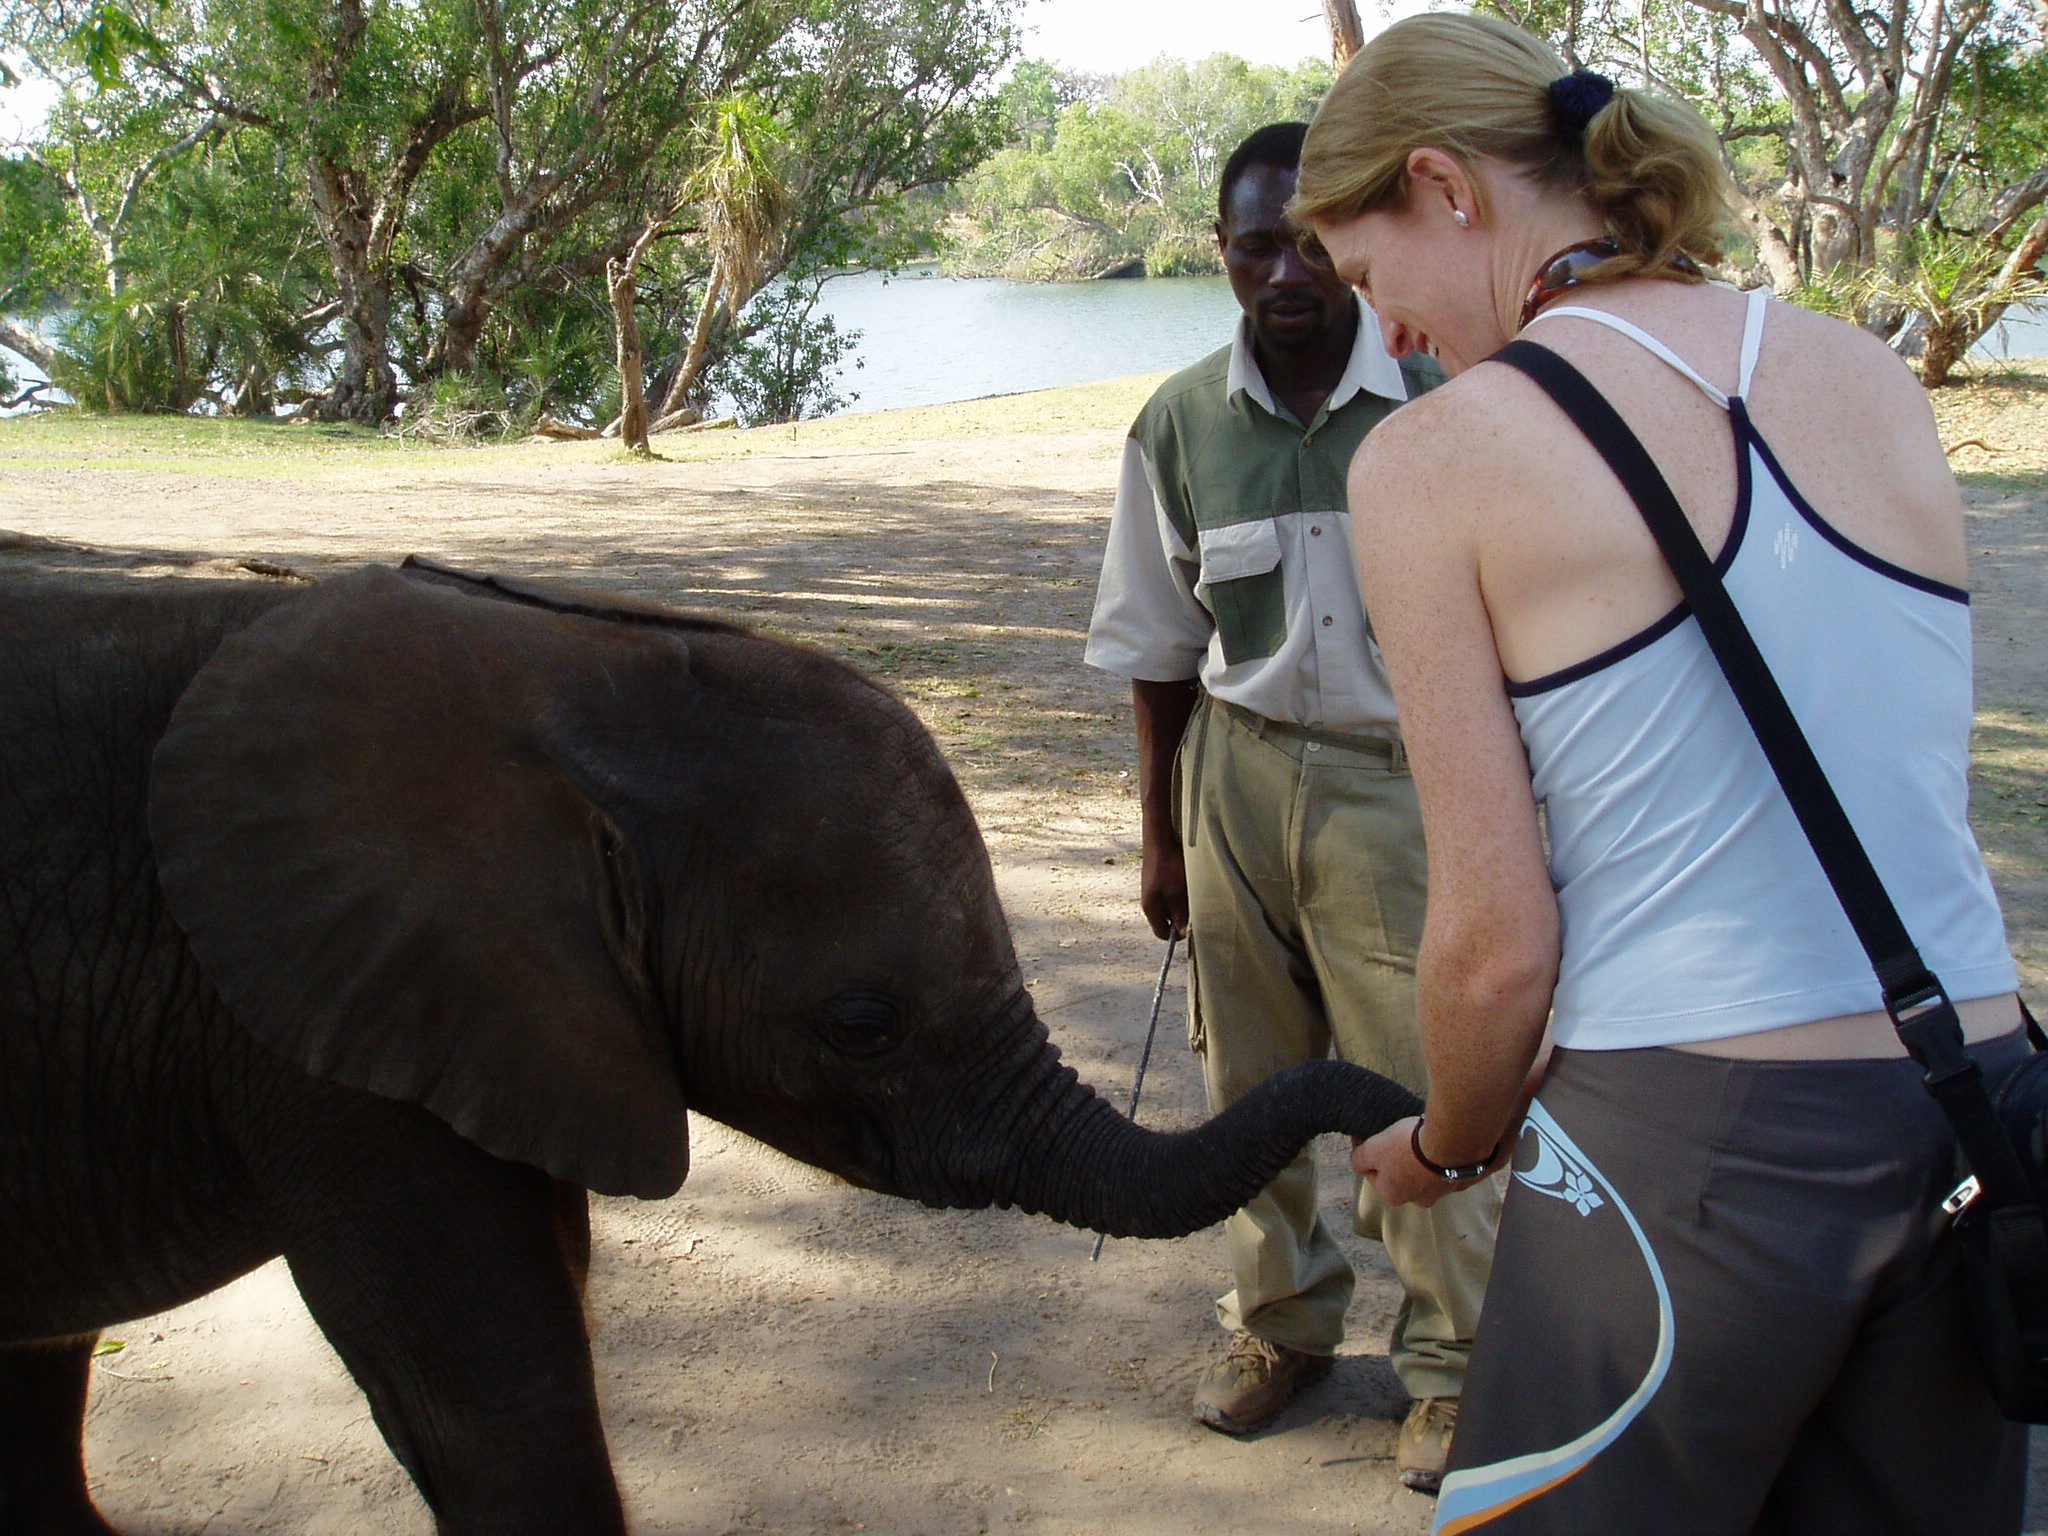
[1229,556]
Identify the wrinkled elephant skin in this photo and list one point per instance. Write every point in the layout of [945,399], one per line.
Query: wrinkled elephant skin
[374,922]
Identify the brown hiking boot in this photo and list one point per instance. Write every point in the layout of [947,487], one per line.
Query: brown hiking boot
[1426,1443]
[1252,1382]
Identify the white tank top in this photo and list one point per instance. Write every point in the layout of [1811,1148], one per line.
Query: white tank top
[1693,907]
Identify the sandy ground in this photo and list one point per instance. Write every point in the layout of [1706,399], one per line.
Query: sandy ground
[778,1353]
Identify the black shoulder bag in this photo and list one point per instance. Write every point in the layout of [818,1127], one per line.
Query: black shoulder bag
[2001,1128]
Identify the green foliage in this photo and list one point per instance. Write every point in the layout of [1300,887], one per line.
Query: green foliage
[1946,279]
[443,181]
[741,189]
[105,38]
[205,299]
[785,365]
[458,408]
[1031,101]
[1101,173]
[2001,134]
[42,255]
[550,351]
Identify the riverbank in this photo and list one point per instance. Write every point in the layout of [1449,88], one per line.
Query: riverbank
[777,1352]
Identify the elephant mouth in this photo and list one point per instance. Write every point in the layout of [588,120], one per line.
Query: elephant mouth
[865,1157]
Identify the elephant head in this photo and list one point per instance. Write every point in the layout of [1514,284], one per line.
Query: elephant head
[562,868]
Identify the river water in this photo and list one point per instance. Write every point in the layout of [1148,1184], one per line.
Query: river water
[926,339]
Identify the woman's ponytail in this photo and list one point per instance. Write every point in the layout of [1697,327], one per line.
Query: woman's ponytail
[1480,88]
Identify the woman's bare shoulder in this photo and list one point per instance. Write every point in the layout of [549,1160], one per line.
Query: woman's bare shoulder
[1826,361]
[1855,430]
[1454,442]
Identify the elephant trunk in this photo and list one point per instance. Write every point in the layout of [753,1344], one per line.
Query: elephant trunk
[1078,1160]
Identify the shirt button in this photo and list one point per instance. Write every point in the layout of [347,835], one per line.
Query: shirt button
[1315,746]
[1315,530]
[1328,621]
[1308,440]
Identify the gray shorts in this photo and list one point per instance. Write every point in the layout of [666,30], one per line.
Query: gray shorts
[1722,1302]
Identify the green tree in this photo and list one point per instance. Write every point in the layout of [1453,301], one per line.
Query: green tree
[1853,135]
[40,260]
[785,365]
[1128,171]
[358,95]
[741,192]
[474,169]
[216,298]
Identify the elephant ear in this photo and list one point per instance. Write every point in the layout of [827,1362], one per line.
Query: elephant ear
[376,823]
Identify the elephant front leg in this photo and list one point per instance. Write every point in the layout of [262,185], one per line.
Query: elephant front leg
[454,1297]
[42,1419]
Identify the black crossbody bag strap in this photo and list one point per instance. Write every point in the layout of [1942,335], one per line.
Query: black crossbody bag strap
[1920,1010]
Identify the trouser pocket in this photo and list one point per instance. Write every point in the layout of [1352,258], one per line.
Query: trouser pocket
[1187,771]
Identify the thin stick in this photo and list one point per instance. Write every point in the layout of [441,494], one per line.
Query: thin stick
[1144,1056]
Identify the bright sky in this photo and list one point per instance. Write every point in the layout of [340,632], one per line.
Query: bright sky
[23,109]
[1104,36]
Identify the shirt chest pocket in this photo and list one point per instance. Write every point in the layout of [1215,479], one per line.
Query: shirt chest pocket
[1243,589]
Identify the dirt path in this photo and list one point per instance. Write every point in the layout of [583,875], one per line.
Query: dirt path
[778,1353]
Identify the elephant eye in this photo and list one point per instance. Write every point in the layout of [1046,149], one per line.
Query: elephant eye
[861,1024]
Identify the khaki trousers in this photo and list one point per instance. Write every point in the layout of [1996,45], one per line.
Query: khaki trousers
[1306,882]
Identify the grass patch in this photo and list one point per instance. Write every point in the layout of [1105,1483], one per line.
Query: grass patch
[233,448]
[214,443]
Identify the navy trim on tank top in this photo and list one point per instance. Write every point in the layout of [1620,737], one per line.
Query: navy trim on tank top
[1830,532]
[1745,433]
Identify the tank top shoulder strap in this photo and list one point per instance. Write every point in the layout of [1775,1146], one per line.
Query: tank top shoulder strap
[1752,338]
[1752,342]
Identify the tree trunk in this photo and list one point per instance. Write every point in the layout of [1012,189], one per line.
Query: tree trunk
[479,275]
[1945,347]
[352,229]
[1772,247]
[19,338]
[622,284]
[684,384]
[462,329]
[1950,342]
[1346,35]
[619,283]
[252,395]
[365,386]
[183,392]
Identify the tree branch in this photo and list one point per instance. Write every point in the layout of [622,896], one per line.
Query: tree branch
[26,397]
[19,338]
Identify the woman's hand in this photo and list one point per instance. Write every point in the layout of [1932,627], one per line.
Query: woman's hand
[1388,1159]
[1387,1162]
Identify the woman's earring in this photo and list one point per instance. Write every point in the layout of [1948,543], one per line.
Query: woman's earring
[1459,215]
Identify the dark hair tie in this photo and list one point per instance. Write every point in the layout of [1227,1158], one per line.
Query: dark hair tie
[1577,98]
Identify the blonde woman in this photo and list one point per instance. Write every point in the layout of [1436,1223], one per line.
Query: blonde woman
[1722,1301]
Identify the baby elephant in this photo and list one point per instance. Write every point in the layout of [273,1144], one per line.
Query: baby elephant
[374,922]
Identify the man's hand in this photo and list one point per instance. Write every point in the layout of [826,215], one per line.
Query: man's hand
[1162,711]
[1163,887]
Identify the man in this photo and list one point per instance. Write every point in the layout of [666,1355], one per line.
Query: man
[1280,825]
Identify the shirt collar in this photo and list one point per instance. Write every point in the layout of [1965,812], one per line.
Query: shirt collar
[1372,367]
